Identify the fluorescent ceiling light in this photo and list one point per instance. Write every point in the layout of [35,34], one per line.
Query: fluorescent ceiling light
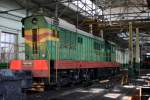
[148,54]
[112,95]
[128,86]
[92,90]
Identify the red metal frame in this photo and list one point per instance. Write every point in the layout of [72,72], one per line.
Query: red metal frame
[70,64]
[40,68]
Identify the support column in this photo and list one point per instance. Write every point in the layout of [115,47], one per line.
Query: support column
[26,7]
[91,28]
[102,33]
[17,46]
[137,56]
[0,47]
[131,72]
[56,10]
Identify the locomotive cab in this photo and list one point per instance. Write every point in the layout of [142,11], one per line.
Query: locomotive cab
[40,40]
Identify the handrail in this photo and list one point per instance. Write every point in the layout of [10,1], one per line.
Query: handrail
[12,52]
[57,59]
[49,63]
[43,49]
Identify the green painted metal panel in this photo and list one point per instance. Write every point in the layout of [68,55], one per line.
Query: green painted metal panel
[41,23]
[71,47]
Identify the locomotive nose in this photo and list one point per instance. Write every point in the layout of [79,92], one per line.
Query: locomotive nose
[39,68]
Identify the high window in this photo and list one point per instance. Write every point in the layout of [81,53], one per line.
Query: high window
[8,43]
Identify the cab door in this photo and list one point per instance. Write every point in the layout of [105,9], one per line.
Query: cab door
[34,41]
[80,47]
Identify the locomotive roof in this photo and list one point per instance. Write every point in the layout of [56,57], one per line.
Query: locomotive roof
[66,25]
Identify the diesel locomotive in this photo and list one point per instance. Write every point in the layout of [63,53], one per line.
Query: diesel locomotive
[56,50]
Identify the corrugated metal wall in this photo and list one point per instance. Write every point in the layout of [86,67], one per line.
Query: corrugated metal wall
[10,30]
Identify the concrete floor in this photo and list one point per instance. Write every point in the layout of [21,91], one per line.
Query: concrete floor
[89,93]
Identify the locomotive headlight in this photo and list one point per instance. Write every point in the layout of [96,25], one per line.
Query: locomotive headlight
[34,21]
[43,55]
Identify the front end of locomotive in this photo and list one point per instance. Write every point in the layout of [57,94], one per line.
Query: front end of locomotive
[39,37]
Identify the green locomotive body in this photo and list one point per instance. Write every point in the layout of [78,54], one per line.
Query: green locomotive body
[72,45]
[56,49]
